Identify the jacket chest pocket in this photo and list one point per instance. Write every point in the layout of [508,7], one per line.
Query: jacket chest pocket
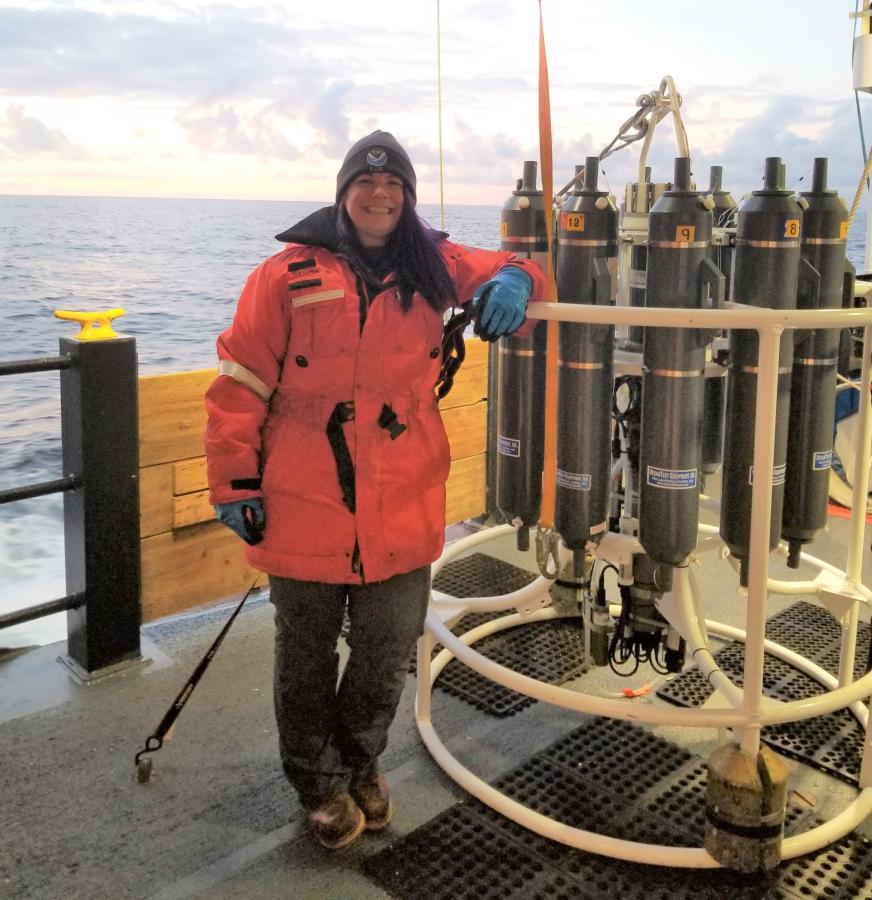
[323,317]
[410,345]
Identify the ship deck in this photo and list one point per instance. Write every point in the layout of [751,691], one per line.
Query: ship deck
[217,819]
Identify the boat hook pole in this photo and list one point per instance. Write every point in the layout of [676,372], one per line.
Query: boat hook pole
[155,740]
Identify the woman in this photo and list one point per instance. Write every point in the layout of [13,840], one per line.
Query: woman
[327,455]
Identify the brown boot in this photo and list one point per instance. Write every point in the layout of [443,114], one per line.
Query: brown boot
[336,823]
[373,796]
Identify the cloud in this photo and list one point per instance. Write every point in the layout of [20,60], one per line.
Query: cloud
[213,55]
[261,128]
[736,126]
[26,135]
[240,82]
[226,130]
[282,83]
[327,113]
[796,128]
[474,159]
[75,52]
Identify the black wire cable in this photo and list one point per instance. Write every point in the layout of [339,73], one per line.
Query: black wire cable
[658,663]
[619,643]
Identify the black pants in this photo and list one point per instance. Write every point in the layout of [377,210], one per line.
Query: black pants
[329,732]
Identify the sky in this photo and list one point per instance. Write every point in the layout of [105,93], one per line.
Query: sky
[260,100]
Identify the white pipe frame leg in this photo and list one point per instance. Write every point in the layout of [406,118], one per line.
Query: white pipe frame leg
[745,709]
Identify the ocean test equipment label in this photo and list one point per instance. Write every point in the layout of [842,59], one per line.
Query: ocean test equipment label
[672,479]
[822,459]
[508,446]
[778,473]
[575,481]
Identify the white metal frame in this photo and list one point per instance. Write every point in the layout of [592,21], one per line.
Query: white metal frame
[746,710]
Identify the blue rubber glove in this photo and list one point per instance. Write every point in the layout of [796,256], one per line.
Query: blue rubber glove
[501,303]
[245,517]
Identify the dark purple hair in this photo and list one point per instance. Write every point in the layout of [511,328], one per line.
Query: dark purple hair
[414,249]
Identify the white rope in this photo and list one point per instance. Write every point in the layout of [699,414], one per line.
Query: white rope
[858,196]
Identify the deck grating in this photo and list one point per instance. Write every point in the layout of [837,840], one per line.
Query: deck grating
[832,743]
[478,575]
[841,871]
[471,851]
[552,652]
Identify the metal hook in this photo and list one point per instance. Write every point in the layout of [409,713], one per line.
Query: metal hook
[548,549]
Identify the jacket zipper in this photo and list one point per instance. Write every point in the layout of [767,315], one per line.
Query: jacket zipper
[356,563]
[364,300]
[363,307]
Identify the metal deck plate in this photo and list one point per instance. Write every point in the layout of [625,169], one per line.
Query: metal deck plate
[479,575]
[843,870]
[552,652]
[830,743]
[470,851]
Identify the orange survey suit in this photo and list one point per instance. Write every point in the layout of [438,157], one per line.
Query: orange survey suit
[298,329]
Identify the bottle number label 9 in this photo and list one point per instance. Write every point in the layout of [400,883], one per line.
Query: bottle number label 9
[685,233]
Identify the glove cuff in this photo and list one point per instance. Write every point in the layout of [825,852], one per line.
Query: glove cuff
[516,274]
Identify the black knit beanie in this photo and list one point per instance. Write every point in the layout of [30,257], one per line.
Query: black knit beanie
[377,152]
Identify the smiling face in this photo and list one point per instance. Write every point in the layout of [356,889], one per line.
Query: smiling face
[374,202]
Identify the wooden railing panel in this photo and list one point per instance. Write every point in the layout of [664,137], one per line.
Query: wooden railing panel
[155,499]
[190,509]
[466,427]
[191,567]
[470,385]
[172,417]
[466,493]
[189,475]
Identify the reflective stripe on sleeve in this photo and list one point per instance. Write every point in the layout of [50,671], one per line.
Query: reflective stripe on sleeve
[244,376]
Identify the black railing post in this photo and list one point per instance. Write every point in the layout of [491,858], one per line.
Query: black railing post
[99,424]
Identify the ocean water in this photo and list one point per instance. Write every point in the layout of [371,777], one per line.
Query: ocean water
[176,267]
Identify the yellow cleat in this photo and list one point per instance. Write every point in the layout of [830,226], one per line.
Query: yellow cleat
[94,326]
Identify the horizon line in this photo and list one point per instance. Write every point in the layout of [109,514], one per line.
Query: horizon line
[216,199]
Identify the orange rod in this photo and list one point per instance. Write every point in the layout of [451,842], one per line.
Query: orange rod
[549,469]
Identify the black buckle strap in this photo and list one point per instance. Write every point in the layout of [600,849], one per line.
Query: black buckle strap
[342,412]
[345,411]
[388,420]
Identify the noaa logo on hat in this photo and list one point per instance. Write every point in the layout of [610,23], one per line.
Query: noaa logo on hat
[377,157]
